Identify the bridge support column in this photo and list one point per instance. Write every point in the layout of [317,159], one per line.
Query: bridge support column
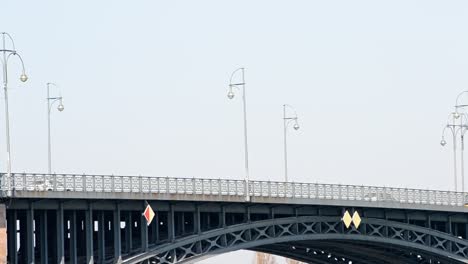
[182,223]
[170,223]
[155,228]
[128,232]
[271,231]
[466,231]
[12,234]
[117,241]
[73,245]
[43,237]
[60,236]
[196,220]
[30,235]
[89,227]
[143,232]
[222,217]
[247,214]
[448,228]
[101,237]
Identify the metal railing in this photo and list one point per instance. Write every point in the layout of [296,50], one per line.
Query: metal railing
[30,182]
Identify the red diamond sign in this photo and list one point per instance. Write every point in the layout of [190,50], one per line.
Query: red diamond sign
[148,214]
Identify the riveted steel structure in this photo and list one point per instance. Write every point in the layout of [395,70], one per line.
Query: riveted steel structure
[98,219]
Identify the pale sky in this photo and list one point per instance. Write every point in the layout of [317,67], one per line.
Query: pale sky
[145,86]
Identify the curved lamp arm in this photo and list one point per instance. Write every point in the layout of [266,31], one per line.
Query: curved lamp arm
[11,39]
[232,75]
[458,98]
[55,99]
[293,109]
[235,85]
[291,119]
[23,76]
[442,141]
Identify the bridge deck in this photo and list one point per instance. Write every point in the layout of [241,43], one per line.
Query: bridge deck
[74,186]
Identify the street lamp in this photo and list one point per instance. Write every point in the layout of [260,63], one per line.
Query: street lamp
[287,120]
[60,108]
[231,95]
[463,121]
[7,53]
[457,129]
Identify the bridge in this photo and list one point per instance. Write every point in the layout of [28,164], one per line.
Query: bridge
[65,218]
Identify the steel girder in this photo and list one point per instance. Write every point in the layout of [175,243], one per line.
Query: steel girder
[344,252]
[379,240]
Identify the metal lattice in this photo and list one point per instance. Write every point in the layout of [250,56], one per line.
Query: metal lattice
[55,183]
[409,237]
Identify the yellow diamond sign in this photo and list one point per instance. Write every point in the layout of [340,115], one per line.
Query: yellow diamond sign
[347,220]
[356,219]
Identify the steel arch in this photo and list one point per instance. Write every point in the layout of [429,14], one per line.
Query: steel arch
[307,228]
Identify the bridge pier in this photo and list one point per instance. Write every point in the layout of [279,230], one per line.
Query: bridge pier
[60,235]
[30,235]
[101,237]
[170,224]
[12,233]
[73,235]
[128,232]
[143,232]
[154,228]
[89,227]
[43,231]
[116,238]
[196,220]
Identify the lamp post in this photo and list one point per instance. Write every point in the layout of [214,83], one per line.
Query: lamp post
[7,52]
[60,108]
[231,95]
[457,129]
[286,121]
[463,123]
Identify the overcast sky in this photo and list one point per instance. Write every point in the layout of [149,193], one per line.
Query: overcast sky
[145,86]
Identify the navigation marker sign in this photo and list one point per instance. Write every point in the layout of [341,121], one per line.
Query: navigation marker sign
[148,214]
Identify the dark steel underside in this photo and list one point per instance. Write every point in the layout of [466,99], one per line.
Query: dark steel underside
[52,230]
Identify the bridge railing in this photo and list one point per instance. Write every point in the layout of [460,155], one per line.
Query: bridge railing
[30,182]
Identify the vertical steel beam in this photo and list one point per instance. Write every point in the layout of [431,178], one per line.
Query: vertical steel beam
[30,235]
[73,244]
[222,217]
[208,220]
[247,214]
[466,231]
[43,234]
[117,239]
[60,235]
[156,228]
[182,225]
[171,223]
[143,232]
[22,238]
[128,233]
[89,228]
[272,212]
[101,237]
[450,231]
[449,225]
[12,233]
[196,220]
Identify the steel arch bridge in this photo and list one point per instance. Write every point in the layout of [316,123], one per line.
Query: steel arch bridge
[318,239]
[98,219]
